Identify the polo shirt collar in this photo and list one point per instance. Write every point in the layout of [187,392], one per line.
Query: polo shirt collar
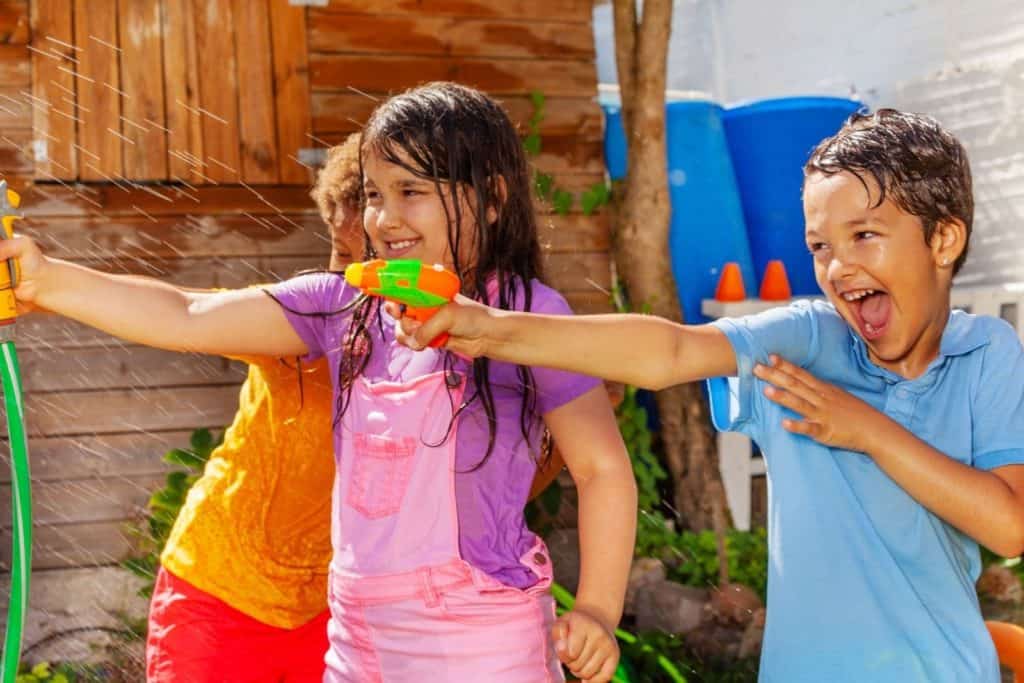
[962,335]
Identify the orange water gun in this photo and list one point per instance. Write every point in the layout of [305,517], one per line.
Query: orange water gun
[420,288]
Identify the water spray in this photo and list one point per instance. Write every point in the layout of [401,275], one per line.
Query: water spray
[21,498]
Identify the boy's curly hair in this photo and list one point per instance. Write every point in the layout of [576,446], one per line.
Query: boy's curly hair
[916,162]
[339,181]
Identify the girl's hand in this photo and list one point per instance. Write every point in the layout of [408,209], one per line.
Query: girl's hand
[465,321]
[586,646]
[831,416]
[32,268]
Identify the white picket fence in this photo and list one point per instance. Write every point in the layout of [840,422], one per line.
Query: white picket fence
[736,457]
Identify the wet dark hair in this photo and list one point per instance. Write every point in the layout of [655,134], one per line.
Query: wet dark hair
[463,142]
[917,163]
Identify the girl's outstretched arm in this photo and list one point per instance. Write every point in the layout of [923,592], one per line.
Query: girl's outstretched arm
[151,312]
[588,437]
[641,350]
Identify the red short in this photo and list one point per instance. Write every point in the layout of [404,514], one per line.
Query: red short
[196,638]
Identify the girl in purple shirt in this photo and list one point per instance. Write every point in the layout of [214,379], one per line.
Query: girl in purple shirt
[435,576]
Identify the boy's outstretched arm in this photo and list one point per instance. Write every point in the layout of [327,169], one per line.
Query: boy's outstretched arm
[987,505]
[152,312]
[641,350]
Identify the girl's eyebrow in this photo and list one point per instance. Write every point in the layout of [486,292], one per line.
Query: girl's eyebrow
[408,182]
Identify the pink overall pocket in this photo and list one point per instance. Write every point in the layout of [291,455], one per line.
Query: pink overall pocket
[381,469]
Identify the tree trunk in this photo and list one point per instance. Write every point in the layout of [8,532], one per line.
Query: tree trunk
[641,255]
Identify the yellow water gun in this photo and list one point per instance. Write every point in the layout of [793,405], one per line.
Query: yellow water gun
[11,275]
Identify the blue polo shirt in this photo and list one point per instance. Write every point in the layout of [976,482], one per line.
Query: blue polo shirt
[864,583]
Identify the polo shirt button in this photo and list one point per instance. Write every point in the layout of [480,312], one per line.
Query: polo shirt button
[539,558]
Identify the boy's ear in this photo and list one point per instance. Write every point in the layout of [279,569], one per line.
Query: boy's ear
[948,241]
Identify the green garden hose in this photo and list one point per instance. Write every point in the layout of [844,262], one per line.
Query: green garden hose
[21,552]
[21,498]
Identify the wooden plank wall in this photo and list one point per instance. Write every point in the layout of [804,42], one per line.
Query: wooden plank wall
[101,412]
[134,87]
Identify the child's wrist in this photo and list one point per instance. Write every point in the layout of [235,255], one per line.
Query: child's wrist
[497,332]
[45,279]
[601,614]
[876,434]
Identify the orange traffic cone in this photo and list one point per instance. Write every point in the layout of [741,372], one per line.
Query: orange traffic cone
[730,284]
[775,285]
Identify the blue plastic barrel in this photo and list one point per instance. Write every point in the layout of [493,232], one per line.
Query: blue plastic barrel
[707,228]
[769,142]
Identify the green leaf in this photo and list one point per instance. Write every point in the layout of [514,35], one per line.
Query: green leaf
[562,201]
[177,481]
[537,99]
[531,143]
[169,497]
[593,198]
[543,182]
[202,440]
[178,456]
[162,516]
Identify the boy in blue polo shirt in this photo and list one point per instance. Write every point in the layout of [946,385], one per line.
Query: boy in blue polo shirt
[892,427]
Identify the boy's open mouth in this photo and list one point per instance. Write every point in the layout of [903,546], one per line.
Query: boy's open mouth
[871,309]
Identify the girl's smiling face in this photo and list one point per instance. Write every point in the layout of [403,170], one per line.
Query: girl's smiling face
[405,217]
[873,264]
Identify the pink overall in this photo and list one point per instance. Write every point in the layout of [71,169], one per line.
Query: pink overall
[405,607]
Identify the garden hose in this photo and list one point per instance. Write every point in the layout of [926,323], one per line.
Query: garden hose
[565,602]
[21,498]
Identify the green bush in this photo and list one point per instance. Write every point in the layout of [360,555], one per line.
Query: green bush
[44,672]
[692,558]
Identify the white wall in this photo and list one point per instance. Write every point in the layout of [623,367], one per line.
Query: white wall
[958,60]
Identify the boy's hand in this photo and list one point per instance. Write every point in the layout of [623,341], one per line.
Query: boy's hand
[586,646]
[465,321]
[831,416]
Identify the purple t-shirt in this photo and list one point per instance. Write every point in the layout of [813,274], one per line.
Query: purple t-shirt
[490,498]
